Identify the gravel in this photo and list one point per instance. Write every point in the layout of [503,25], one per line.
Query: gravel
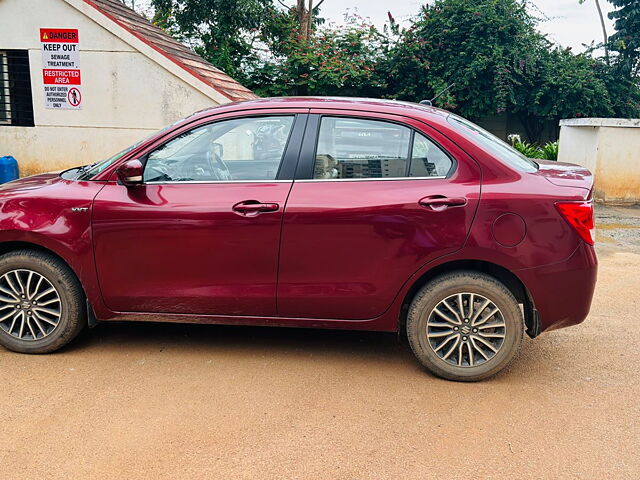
[619,226]
[193,401]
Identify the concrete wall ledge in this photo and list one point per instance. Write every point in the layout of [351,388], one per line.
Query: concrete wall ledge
[601,122]
[610,148]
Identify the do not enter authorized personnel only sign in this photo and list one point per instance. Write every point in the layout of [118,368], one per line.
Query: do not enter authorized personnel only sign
[61,68]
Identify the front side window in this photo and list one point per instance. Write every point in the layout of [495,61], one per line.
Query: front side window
[357,148]
[239,149]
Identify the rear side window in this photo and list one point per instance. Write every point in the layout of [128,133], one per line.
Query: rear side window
[493,144]
[352,148]
[428,159]
[356,148]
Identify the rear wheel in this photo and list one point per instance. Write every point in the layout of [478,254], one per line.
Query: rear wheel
[41,302]
[465,326]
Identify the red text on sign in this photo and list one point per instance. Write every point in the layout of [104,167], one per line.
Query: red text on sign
[61,77]
[59,35]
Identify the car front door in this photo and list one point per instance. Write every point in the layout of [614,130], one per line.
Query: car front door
[201,234]
[376,198]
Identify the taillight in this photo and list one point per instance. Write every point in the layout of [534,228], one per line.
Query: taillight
[580,216]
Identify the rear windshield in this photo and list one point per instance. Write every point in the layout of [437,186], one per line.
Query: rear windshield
[499,149]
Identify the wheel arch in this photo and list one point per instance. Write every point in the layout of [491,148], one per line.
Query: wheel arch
[11,246]
[500,273]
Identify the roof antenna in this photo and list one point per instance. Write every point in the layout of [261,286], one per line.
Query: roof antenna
[430,102]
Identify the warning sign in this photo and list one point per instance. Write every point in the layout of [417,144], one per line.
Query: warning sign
[61,68]
[74,97]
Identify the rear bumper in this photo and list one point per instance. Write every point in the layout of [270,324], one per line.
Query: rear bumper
[562,292]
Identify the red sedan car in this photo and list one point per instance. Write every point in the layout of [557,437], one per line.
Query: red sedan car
[307,212]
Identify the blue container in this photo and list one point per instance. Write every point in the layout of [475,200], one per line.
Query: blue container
[8,169]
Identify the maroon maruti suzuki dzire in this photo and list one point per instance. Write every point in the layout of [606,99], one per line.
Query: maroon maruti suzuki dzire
[307,212]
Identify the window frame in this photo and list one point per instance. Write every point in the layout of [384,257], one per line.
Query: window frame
[289,154]
[308,153]
[16,83]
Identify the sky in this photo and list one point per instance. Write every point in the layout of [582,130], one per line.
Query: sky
[567,23]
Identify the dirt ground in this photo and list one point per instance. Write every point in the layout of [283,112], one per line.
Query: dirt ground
[175,401]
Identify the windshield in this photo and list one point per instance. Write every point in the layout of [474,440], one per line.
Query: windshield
[89,171]
[92,170]
[493,144]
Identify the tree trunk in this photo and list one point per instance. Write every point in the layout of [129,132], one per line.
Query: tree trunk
[304,35]
[303,21]
[533,127]
[604,32]
[310,20]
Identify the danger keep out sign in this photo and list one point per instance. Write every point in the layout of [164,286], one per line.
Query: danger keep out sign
[61,68]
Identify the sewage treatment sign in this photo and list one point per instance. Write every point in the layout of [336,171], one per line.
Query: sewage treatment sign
[61,68]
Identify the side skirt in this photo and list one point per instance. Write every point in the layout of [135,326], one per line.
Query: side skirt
[384,323]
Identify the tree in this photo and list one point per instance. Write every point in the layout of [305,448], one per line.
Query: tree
[499,63]
[604,29]
[560,85]
[479,45]
[626,40]
[329,60]
[222,31]
[622,76]
[489,51]
[305,16]
[243,37]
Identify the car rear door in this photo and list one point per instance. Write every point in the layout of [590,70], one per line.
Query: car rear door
[201,234]
[375,198]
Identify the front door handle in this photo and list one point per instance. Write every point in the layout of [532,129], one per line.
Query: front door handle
[438,203]
[251,208]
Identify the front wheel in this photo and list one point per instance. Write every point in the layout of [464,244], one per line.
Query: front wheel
[465,326]
[41,302]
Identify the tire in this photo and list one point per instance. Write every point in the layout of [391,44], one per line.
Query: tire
[471,358]
[53,309]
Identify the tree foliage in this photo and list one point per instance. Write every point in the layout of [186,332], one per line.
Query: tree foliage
[626,39]
[489,52]
[559,85]
[498,62]
[335,60]
[222,31]
[481,46]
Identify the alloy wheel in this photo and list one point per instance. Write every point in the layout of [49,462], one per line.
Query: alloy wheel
[30,306]
[466,329]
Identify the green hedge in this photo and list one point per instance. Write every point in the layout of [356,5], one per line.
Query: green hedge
[548,151]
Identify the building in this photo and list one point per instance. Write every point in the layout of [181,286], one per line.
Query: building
[82,79]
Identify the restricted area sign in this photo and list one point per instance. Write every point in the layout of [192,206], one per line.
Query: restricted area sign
[61,68]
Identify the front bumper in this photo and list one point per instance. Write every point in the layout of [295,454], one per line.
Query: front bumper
[562,292]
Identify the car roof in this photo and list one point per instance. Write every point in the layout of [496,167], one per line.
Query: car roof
[340,103]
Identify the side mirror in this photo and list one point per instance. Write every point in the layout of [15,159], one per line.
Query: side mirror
[130,173]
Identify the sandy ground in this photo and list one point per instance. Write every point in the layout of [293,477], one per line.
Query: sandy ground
[174,401]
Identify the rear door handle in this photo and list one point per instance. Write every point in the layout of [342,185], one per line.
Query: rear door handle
[438,203]
[251,208]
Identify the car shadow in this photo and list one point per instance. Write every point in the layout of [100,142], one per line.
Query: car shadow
[243,344]
[152,336]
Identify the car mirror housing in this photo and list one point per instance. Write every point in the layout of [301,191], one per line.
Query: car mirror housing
[130,173]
